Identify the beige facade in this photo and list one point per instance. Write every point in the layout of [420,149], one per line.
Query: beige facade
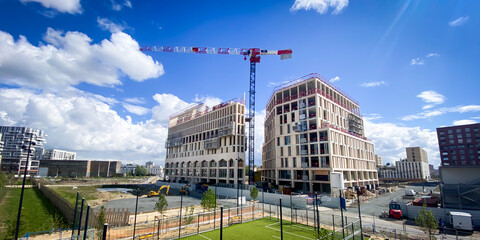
[416,154]
[207,145]
[378,160]
[311,130]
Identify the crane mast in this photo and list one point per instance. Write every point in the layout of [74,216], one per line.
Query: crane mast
[254,55]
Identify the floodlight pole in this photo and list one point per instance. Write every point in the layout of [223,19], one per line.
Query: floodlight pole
[135,221]
[341,211]
[75,214]
[23,185]
[359,214]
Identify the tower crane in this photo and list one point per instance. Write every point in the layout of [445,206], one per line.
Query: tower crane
[254,55]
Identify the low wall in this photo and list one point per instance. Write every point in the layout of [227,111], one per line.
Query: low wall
[58,201]
[412,212]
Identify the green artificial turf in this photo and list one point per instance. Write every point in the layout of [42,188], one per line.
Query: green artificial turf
[260,229]
[70,194]
[38,213]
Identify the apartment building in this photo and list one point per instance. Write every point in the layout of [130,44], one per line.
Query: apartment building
[459,145]
[207,145]
[378,160]
[312,129]
[55,154]
[15,151]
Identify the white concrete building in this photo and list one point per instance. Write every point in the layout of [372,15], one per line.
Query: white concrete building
[207,145]
[128,168]
[378,160]
[312,129]
[15,151]
[56,154]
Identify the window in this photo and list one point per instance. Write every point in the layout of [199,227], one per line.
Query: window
[278,141]
[286,162]
[467,130]
[441,133]
[450,131]
[288,128]
[287,140]
[294,162]
[459,136]
[459,130]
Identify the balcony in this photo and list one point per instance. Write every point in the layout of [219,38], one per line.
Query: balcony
[313,126]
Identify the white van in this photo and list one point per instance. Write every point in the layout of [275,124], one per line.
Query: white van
[461,220]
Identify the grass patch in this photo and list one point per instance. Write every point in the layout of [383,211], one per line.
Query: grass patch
[38,213]
[70,194]
[260,229]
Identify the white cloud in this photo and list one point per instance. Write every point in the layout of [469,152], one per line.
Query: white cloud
[119,6]
[167,105]
[464,122]
[336,78]
[372,116]
[259,136]
[373,84]
[135,109]
[208,101]
[469,108]
[441,111]
[70,58]
[416,61]
[78,121]
[276,84]
[63,6]
[432,55]
[391,140]
[135,100]
[432,97]
[459,21]
[107,24]
[321,6]
[428,106]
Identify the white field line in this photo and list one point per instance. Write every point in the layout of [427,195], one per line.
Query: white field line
[275,236]
[204,237]
[268,226]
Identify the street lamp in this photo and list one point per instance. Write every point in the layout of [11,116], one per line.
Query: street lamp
[23,184]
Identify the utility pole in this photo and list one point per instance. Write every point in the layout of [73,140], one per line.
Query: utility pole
[23,185]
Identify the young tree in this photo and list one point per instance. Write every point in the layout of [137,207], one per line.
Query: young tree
[254,193]
[161,205]
[189,213]
[141,171]
[208,199]
[101,221]
[427,221]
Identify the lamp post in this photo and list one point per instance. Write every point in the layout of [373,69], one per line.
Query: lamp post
[23,185]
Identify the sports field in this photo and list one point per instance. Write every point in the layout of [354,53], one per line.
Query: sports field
[260,229]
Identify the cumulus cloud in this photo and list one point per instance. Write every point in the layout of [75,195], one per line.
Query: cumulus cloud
[459,21]
[441,111]
[79,121]
[373,84]
[167,105]
[63,6]
[107,24]
[334,79]
[320,6]
[119,6]
[135,109]
[432,55]
[464,122]
[208,100]
[416,61]
[390,140]
[69,59]
[372,116]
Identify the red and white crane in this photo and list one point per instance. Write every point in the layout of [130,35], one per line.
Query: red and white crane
[254,55]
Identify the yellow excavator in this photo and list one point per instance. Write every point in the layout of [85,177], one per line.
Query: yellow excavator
[154,194]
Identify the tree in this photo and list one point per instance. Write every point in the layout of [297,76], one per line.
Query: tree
[427,221]
[189,213]
[209,199]
[161,204]
[254,193]
[101,220]
[140,171]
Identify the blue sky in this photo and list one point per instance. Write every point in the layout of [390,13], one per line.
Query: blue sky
[73,68]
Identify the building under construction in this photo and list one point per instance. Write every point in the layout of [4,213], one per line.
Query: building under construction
[311,130]
[207,145]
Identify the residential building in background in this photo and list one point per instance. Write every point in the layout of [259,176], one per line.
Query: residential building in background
[153,169]
[128,168]
[416,154]
[434,173]
[79,168]
[378,160]
[460,187]
[207,145]
[16,142]
[55,154]
[311,130]
[413,168]
[459,145]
